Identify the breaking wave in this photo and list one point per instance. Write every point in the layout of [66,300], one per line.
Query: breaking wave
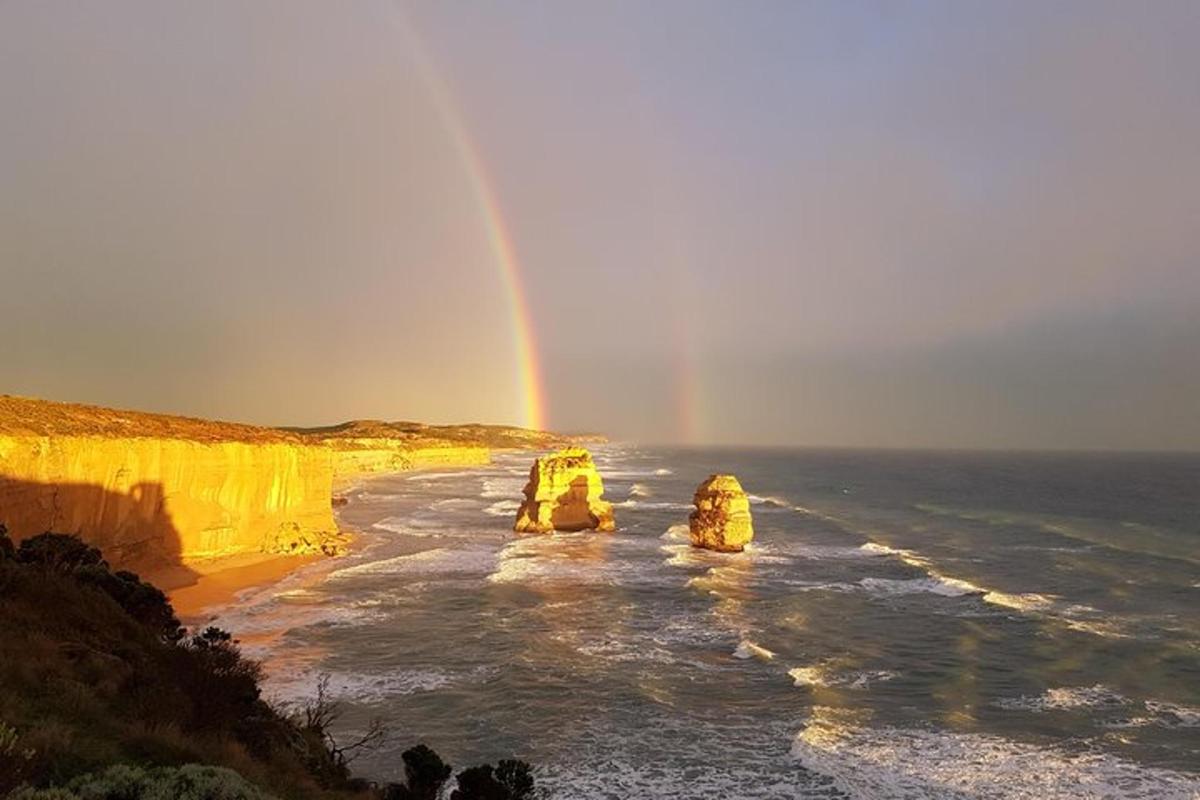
[884,763]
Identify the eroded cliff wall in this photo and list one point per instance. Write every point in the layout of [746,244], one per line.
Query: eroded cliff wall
[356,457]
[146,500]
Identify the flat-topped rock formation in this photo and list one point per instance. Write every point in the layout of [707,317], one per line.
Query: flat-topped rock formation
[564,493]
[722,519]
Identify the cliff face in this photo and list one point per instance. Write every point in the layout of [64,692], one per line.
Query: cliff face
[151,490]
[722,518]
[564,493]
[355,457]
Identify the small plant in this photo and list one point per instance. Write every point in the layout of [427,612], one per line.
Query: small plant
[16,761]
[317,718]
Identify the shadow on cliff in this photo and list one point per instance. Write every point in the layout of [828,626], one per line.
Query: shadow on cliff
[566,515]
[132,529]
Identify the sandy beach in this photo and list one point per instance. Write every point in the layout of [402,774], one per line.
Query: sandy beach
[201,587]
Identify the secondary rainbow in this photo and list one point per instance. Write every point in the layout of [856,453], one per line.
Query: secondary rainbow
[499,239]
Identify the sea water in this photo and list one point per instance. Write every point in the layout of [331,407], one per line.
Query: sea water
[905,624]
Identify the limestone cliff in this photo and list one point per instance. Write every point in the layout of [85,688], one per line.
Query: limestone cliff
[154,489]
[722,519]
[564,493]
[151,489]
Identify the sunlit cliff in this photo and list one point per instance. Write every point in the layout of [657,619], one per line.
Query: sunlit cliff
[153,489]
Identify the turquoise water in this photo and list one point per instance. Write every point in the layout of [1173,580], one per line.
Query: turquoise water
[920,625]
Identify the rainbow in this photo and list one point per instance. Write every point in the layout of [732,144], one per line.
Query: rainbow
[499,239]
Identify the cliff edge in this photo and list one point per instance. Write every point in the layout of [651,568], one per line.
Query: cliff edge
[153,489]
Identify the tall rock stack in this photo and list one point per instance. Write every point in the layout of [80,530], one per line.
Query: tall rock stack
[722,519]
[564,493]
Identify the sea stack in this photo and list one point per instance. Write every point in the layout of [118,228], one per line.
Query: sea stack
[721,520]
[564,493]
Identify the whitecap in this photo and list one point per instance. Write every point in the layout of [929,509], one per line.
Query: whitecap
[436,561]
[747,649]
[934,584]
[503,508]
[679,533]
[773,502]
[807,676]
[925,764]
[1065,698]
[635,503]
[639,490]
[453,504]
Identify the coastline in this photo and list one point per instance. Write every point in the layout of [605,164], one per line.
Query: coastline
[198,589]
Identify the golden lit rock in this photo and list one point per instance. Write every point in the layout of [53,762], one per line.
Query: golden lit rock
[564,493]
[149,489]
[722,519]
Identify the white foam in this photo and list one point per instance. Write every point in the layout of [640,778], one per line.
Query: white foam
[300,685]
[635,503]
[404,526]
[807,676]
[679,533]
[663,471]
[934,584]
[437,476]
[578,558]
[774,502]
[639,490]
[1066,698]
[503,508]
[436,561]
[824,675]
[747,649]
[883,763]
[1028,601]
[453,504]
[494,488]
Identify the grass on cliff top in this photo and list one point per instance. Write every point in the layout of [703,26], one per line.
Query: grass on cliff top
[29,416]
[25,416]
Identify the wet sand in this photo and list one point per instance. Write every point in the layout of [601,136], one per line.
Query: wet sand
[206,586]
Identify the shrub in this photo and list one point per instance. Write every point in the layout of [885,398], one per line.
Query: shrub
[517,777]
[7,551]
[125,782]
[144,602]
[425,774]
[513,780]
[59,552]
[16,760]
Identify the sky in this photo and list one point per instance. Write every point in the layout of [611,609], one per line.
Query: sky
[903,224]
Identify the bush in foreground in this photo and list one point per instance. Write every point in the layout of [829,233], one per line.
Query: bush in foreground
[124,782]
[105,696]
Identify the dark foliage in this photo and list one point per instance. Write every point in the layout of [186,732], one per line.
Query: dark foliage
[7,551]
[96,670]
[425,774]
[59,552]
[144,602]
[512,780]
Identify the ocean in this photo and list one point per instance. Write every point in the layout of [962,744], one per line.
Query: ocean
[905,625]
